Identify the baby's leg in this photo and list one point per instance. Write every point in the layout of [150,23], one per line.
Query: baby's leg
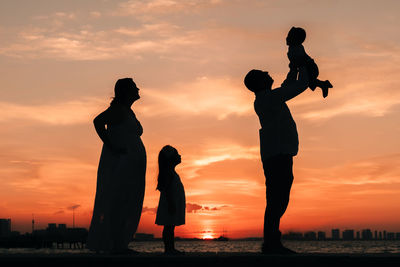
[313,73]
[324,85]
[312,84]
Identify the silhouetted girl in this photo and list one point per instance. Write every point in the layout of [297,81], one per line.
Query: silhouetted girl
[172,204]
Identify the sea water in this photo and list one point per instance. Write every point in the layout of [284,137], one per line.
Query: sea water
[236,246]
[255,246]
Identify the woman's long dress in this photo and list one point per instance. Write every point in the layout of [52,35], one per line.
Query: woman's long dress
[120,188]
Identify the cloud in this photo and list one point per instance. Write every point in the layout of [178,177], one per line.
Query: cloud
[229,152]
[382,170]
[163,29]
[149,8]
[59,212]
[194,208]
[203,99]
[165,38]
[219,96]
[360,91]
[57,15]
[190,208]
[86,43]
[224,155]
[95,14]
[63,113]
[47,184]
[367,99]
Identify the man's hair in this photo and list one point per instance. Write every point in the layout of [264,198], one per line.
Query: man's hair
[252,80]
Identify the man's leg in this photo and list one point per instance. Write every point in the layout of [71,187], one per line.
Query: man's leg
[279,178]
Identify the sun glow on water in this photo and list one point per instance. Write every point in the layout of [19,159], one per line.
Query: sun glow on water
[208,236]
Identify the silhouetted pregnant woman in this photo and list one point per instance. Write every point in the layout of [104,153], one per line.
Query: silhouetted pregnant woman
[121,173]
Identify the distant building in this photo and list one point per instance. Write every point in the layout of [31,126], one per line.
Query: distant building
[380,235]
[5,227]
[321,235]
[75,237]
[15,234]
[52,227]
[358,235]
[366,234]
[376,235]
[384,235]
[397,236]
[293,236]
[310,236]
[335,234]
[390,236]
[348,235]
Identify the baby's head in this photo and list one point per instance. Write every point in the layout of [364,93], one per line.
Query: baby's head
[296,36]
[257,80]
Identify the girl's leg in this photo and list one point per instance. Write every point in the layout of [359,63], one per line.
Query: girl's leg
[168,237]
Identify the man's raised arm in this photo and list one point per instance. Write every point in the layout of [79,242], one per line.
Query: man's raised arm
[291,76]
[291,87]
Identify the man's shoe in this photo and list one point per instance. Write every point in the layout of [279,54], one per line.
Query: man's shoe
[280,250]
[174,252]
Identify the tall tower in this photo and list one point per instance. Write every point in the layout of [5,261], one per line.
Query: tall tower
[33,224]
[73,216]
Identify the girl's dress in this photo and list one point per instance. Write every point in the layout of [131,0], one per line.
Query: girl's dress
[178,194]
[120,188]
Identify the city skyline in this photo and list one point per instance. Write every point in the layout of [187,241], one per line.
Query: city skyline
[336,233]
[60,60]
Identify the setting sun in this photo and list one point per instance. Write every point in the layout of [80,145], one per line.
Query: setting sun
[208,236]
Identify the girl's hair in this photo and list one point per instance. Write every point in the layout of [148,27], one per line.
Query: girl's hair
[165,167]
[121,89]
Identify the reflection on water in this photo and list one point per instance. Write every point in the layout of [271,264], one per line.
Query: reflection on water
[244,246]
[255,246]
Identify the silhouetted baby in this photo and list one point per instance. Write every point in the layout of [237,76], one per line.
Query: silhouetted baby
[298,56]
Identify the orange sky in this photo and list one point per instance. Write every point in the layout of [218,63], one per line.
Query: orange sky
[59,62]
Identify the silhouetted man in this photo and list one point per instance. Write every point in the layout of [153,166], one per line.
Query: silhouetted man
[278,144]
